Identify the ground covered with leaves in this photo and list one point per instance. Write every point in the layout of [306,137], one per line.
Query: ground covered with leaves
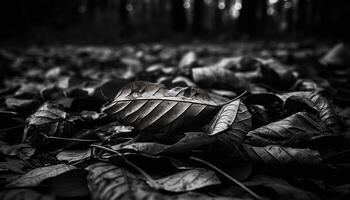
[161,121]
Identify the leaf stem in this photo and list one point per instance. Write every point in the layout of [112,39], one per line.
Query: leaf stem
[253,194]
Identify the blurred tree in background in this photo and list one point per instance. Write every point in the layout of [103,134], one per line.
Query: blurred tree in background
[107,20]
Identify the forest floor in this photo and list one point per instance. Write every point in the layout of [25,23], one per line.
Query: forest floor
[241,120]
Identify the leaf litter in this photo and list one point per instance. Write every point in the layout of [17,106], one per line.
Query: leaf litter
[175,123]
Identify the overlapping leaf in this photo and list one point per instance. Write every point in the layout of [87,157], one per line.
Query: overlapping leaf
[290,131]
[273,155]
[188,180]
[108,181]
[325,109]
[50,120]
[34,177]
[233,120]
[148,106]
[190,142]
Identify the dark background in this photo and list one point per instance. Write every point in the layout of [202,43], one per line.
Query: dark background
[111,21]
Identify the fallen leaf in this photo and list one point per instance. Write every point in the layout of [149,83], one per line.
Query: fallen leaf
[233,120]
[188,180]
[290,131]
[151,107]
[325,109]
[273,155]
[73,155]
[188,60]
[34,177]
[48,119]
[219,78]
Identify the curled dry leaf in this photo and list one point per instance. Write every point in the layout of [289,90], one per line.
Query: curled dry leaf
[188,180]
[233,120]
[48,119]
[152,107]
[34,177]
[325,109]
[290,131]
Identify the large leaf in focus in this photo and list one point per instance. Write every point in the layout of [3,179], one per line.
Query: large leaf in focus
[188,180]
[290,131]
[34,177]
[325,109]
[273,155]
[220,78]
[152,107]
[23,194]
[233,120]
[50,120]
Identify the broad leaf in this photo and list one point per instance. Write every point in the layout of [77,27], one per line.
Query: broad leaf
[151,107]
[188,180]
[34,177]
[233,120]
[290,131]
